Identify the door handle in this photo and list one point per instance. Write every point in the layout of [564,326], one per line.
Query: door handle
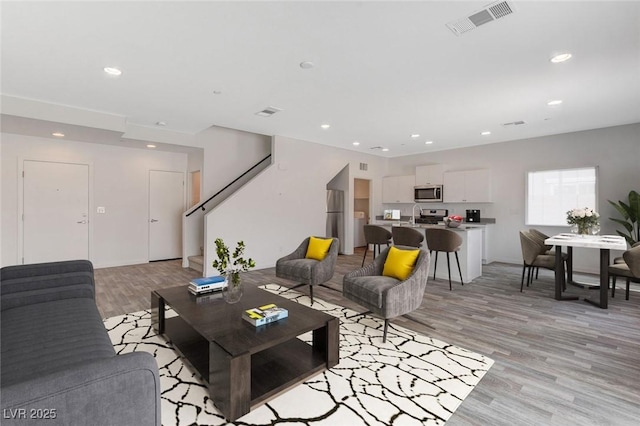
[154,220]
[81,221]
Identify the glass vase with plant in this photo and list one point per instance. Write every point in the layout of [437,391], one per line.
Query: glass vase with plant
[584,219]
[630,212]
[231,264]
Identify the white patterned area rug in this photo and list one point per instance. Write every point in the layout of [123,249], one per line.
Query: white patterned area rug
[409,380]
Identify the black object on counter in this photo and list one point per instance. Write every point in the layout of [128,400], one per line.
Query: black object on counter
[473,215]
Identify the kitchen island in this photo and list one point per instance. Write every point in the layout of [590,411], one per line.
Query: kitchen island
[470,253]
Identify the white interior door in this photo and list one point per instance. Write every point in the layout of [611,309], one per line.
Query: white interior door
[166,205]
[56,211]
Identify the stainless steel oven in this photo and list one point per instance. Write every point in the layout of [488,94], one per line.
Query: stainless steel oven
[427,193]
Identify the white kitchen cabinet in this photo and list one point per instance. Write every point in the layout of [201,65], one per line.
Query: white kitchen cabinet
[468,186]
[430,174]
[487,254]
[398,189]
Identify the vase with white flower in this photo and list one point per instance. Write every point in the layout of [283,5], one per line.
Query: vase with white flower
[585,220]
[231,264]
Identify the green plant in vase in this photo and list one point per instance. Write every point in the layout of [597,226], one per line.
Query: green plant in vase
[232,263]
[630,212]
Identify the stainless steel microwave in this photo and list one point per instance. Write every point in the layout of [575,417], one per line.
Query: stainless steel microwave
[427,193]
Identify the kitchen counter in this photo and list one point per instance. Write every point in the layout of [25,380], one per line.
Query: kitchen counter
[470,253]
[462,227]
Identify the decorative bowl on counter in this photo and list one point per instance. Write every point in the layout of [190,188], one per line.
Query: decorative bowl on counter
[452,221]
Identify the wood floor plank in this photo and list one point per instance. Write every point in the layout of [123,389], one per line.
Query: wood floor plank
[556,362]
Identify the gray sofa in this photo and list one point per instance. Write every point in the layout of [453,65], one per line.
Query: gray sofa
[58,365]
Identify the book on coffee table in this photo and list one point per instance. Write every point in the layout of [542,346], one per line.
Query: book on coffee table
[207,284]
[207,280]
[264,314]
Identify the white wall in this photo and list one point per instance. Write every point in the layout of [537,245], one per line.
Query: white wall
[287,203]
[615,150]
[227,154]
[119,182]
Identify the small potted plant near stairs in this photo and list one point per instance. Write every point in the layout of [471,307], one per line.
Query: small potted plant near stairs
[231,264]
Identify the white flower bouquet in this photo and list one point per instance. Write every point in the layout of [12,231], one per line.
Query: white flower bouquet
[584,219]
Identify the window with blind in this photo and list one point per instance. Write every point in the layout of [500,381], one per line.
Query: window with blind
[551,193]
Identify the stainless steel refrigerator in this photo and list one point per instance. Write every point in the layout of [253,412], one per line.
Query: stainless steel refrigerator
[335,216]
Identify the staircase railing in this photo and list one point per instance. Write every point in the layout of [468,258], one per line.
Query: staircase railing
[204,203]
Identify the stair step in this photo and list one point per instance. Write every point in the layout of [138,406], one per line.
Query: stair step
[196,263]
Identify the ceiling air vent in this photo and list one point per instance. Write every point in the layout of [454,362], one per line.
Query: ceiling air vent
[515,123]
[376,147]
[268,112]
[490,13]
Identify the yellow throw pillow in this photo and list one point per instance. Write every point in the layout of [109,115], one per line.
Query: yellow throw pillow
[399,263]
[318,248]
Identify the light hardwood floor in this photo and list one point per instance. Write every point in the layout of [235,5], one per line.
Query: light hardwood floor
[556,363]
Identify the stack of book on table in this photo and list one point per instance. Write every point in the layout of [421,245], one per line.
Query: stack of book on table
[206,285]
[264,314]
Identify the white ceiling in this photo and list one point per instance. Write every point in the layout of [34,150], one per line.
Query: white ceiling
[383,70]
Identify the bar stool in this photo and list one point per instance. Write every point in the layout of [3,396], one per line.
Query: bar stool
[376,235]
[406,236]
[446,241]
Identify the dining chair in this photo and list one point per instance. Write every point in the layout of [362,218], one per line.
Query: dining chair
[446,241]
[533,256]
[629,269]
[376,236]
[406,236]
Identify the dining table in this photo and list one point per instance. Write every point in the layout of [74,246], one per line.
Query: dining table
[605,243]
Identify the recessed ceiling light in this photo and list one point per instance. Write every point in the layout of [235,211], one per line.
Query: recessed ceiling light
[415,135]
[428,142]
[306,65]
[487,133]
[150,146]
[554,103]
[385,149]
[560,58]
[112,71]
[356,143]
[58,134]
[161,123]
[325,126]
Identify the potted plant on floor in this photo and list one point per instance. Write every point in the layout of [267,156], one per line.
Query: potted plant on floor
[231,265]
[630,212]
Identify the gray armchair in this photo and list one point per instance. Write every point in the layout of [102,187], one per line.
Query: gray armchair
[385,296]
[296,267]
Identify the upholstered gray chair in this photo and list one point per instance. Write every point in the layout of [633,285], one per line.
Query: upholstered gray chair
[447,241]
[533,256]
[630,269]
[540,238]
[620,259]
[296,267]
[375,235]
[384,296]
[406,236]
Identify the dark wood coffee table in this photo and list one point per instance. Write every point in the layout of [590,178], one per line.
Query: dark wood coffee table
[244,365]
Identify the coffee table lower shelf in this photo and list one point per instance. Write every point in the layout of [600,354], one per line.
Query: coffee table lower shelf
[238,384]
